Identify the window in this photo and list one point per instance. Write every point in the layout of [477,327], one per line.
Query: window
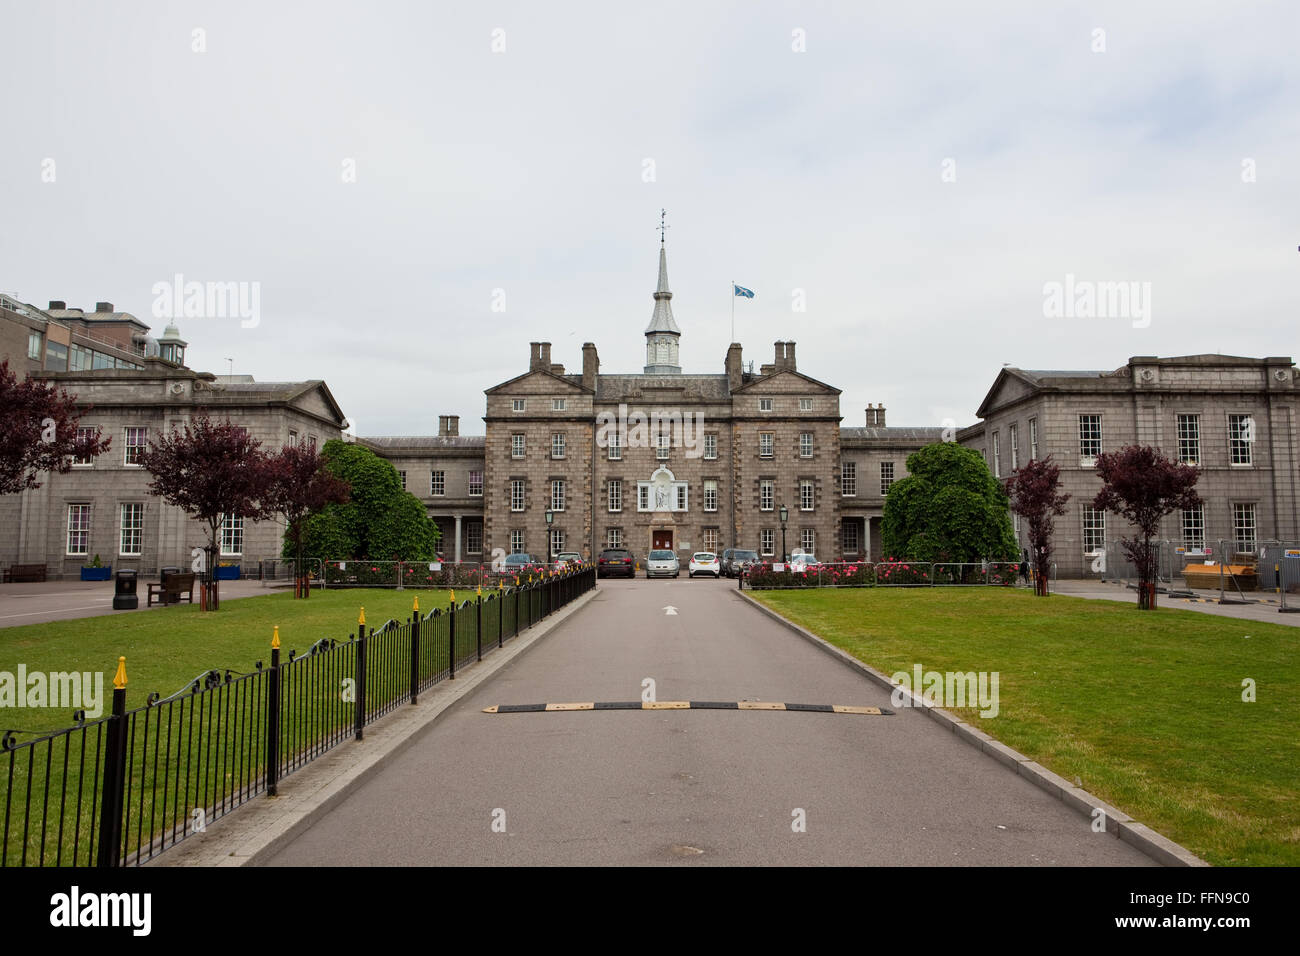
[1094,530]
[1241,434]
[1015,447]
[78,529]
[517,494]
[765,444]
[805,404]
[557,404]
[997,457]
[805,444]
[476,484]
[1194,528]
[766,489]
[131,529]
[710,446]
[516,540]
[1033,439]
[615,449]
[681,496]
[643,497]
[886,477]
[764,404]
[79,358]
[710,497]
[711,540]
[1089,439]
[615,494]
[56,357]
[767,541]
[85,433]
[849,532]
[557,542]
[437,482]
[402,475]
[516,446]
[34,345]
[1189,439]
[517,404]
[808,540]
[136,438]
[662,445]
[293,437]
[311,440]
[1243,527]
[232,534]
[557,445]
[614,537]
[557,494]
[849,479]
[805,495]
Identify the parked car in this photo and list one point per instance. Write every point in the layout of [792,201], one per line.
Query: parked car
[521,564]
[704,562]
[734,560]
[615,561]
[803,561]
[663,564]
[565,558]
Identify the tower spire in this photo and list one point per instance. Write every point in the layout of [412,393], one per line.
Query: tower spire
[662,334]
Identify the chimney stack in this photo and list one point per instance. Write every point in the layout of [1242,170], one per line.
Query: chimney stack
[734,367]
[875,416]
[545,357]
[590,365]
[535,356]
[58,304]
[103,306]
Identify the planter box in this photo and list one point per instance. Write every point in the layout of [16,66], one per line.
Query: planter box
[97,574]
[228,574]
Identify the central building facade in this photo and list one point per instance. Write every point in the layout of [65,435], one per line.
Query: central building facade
[661,459]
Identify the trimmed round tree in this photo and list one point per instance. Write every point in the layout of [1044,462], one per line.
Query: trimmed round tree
[948,508]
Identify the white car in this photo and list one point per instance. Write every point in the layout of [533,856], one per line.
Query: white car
[803,562]
[704,562]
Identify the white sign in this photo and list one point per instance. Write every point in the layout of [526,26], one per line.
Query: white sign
[778,567]
[435,565]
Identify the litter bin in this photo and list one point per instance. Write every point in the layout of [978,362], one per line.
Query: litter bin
[124,596]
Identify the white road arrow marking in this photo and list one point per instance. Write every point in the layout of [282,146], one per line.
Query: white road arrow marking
[670,610]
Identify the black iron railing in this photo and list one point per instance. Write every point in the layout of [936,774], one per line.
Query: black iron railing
[121,789]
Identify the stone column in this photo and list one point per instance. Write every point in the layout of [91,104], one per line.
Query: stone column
[457,559]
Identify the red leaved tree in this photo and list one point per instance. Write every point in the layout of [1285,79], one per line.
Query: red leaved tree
[302,486]
[38,432]
[1035,495]
[212,470]
[1142,485]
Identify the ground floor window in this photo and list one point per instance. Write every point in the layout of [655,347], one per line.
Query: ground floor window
[850,537]
[474,537]
[516,540]
[557,542]
[614,538]
[132,529]
[1243,527]
[711,539]
[1194,528]
[78,529]
[767,541]
[1094,530]
[808,540]
[232,534]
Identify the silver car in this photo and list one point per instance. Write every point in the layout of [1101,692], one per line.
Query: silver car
[662,564]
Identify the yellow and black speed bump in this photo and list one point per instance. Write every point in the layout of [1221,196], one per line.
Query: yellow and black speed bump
[687,705]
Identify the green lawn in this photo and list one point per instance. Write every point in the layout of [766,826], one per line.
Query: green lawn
[166,648]
[1144,707]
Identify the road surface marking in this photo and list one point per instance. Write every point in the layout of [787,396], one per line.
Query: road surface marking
[688,705]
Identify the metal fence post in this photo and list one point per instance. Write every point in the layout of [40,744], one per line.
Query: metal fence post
[415,651]
[110,812]
[359,719]
[501,619]
[478,625]
[451,630]
[273,717]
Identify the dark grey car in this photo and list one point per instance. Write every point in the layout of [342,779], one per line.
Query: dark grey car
[733,559]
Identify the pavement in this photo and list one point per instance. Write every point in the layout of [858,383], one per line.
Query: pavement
[1264,605]
[40,601]
[693,787]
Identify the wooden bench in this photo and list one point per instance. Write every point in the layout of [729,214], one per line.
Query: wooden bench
[24,572]
[171,589]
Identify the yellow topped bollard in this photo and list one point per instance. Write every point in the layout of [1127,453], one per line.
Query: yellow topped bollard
[275,638]
[416,605]
[362,618]
[453,595]
[119,679]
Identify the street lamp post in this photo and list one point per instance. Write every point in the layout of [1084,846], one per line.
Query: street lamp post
[785,513]
[550,517]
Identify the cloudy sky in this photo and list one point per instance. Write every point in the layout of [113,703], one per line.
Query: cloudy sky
[420,189]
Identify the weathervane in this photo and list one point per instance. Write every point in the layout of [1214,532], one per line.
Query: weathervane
[663,214]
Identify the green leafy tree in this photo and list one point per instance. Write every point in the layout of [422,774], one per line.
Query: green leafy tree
[948,508]
[380,522]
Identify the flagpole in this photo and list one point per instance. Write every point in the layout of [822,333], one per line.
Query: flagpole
[733,312]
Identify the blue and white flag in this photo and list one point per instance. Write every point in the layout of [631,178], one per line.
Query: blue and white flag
[741,290]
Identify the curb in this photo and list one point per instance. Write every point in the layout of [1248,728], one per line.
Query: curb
[1121,825]
[251,834]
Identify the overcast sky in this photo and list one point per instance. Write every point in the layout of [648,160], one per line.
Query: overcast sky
[920,171]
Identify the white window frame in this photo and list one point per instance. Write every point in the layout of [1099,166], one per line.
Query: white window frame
[643,496]
[886,477]
[34,346]
[402,475]
[557,404]
[663,446]
[710,446]
[805,405]
[1240,454]
[471,484]
[1188,429]
[135,528]
[1193,528]
[805,444]
[231,533]
[518,404]
[557,494]
[997,456]
[711,540]
[766,444]
[615,450]
[557,446]
[1014,440]
[767,541]
[764,404]
[518,445]
[710,494]
[849,537]
[78,524]
[808,540]
[807,495]
[613,538]
[128,431]
[516,540]
[615,495]
[1245,510]
[472,527]
[682,495]
[1088,441]
[85,431]
[518,494]
[437,484]
[766,494]
[557,542]
[1093,526]
[848,479]
[1033,439]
